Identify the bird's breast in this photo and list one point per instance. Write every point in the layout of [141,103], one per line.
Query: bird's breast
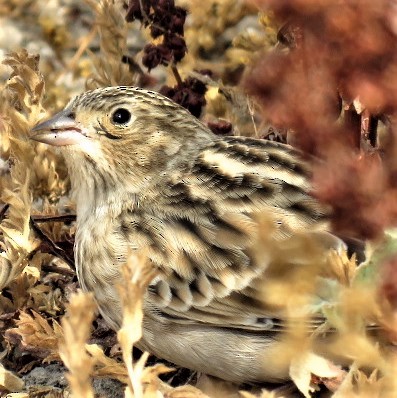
[99,253]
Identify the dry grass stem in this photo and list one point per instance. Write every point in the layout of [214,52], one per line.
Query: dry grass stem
[76,327]
[137,274]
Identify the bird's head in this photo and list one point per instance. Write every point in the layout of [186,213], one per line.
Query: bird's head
[122,132]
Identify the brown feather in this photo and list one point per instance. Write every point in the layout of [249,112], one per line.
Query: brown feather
[163,181]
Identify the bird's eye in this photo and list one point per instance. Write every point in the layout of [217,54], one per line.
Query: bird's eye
[121,116]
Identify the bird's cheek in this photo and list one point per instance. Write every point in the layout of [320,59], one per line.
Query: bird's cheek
[90,146]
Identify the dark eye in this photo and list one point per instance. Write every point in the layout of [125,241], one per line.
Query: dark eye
[121,116]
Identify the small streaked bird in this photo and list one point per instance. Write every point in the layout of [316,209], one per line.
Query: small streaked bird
[146,174]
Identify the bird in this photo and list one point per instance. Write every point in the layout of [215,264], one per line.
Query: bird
[146,174]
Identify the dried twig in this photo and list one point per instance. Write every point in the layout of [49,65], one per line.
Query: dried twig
[57,218]
[3,211]
[57,270]
[176,74]
[53,248]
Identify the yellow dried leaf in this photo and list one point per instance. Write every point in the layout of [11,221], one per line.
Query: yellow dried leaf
[303,367]
[105,366]
[136,276]
[186,392]
[9,381]
[23,93]
[7,270]
[38,335]
[264,394]
[112,29]
[341,267]
[32,271]
[76,325]
[18,290]
[18,239]
[358,385]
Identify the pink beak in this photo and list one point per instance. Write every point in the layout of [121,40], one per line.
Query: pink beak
[60,130]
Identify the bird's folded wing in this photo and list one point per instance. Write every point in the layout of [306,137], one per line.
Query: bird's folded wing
[225,314]
[238,192]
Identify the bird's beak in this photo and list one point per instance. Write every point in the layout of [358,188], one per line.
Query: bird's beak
[60,130]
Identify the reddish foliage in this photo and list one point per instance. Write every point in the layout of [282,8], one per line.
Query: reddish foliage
[220,127]
[190,94]
[346,48]
[388,286]
[165,19]
[357,187]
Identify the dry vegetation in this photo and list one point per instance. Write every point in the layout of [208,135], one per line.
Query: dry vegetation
[320,75]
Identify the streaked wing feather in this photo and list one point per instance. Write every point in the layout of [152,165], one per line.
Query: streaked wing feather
[208,224]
